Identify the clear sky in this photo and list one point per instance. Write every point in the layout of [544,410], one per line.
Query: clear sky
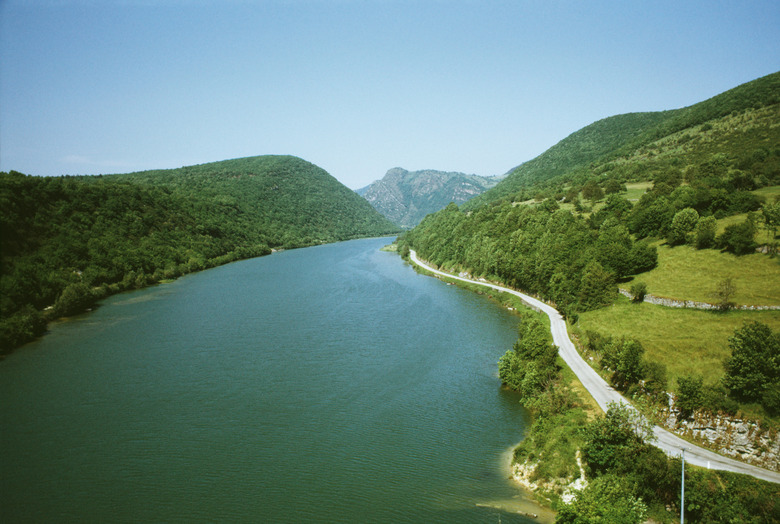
[356,87]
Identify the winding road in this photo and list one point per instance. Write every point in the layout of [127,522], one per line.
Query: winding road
[604,394]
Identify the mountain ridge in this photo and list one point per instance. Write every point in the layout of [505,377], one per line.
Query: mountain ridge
[618,136]
[406,197]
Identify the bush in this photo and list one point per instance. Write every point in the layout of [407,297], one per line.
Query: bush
[705,232]
[754,365]
[739,238]
[690,396]
[638,291]
[75,298]
[723,293]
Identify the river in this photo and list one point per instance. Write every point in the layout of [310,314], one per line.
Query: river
[326,384]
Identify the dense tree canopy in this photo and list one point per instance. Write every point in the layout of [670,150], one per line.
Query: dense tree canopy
[555,254]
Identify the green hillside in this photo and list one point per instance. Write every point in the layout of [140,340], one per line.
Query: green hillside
[69,241]
[614,140]
[682,204]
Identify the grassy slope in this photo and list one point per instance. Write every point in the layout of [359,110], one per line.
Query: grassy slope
[685,340]
[735,124]
[685,273]
[577,150]
[638,136]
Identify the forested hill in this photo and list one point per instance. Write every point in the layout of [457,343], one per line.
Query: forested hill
[619,137]
[69,241]
[405,197]
[287,201]
[566,227]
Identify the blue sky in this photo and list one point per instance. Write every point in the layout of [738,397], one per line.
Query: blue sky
[356,87]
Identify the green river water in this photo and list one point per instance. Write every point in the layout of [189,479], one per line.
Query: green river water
[327,384]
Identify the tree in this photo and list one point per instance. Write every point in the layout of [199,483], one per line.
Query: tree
[612,441]
[705,232]
[614,248]
[597,288]
[723,294]
[652,215]
[644,257]
[624,358]
[76,298]
[530,365]
[690,395]
[655,380]
[754,365]
[591,191]
[738,238]
[612,186]
[771,214]
[683,223]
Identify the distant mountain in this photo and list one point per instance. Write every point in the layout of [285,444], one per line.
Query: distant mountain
[405,197]
[66,242]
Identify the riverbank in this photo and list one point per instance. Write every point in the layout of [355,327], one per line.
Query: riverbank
[604,394]
[562,429]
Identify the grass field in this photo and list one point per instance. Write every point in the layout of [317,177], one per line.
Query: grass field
[685,340]
[686,273]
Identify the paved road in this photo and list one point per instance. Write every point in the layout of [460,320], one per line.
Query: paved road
[604,394]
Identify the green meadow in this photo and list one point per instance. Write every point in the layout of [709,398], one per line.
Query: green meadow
[686,273]
[685,340]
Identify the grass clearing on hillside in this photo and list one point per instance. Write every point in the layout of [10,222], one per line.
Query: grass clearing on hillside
[685,340]
[769,193]
[686,273]
[636,190]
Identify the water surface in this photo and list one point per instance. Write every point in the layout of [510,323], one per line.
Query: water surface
[327,384]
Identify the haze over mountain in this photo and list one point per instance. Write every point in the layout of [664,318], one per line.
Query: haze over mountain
[405,197]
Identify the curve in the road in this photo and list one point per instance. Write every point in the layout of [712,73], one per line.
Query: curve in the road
[604,394]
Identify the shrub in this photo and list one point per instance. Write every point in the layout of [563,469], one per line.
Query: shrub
[739,238]
[705,232]
[638,291]
[683,223]
[75,298]
[690,396]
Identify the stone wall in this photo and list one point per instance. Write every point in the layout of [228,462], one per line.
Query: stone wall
[668,302]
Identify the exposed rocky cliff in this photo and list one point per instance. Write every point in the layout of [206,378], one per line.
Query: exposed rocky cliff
[730,436]
[405,197]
